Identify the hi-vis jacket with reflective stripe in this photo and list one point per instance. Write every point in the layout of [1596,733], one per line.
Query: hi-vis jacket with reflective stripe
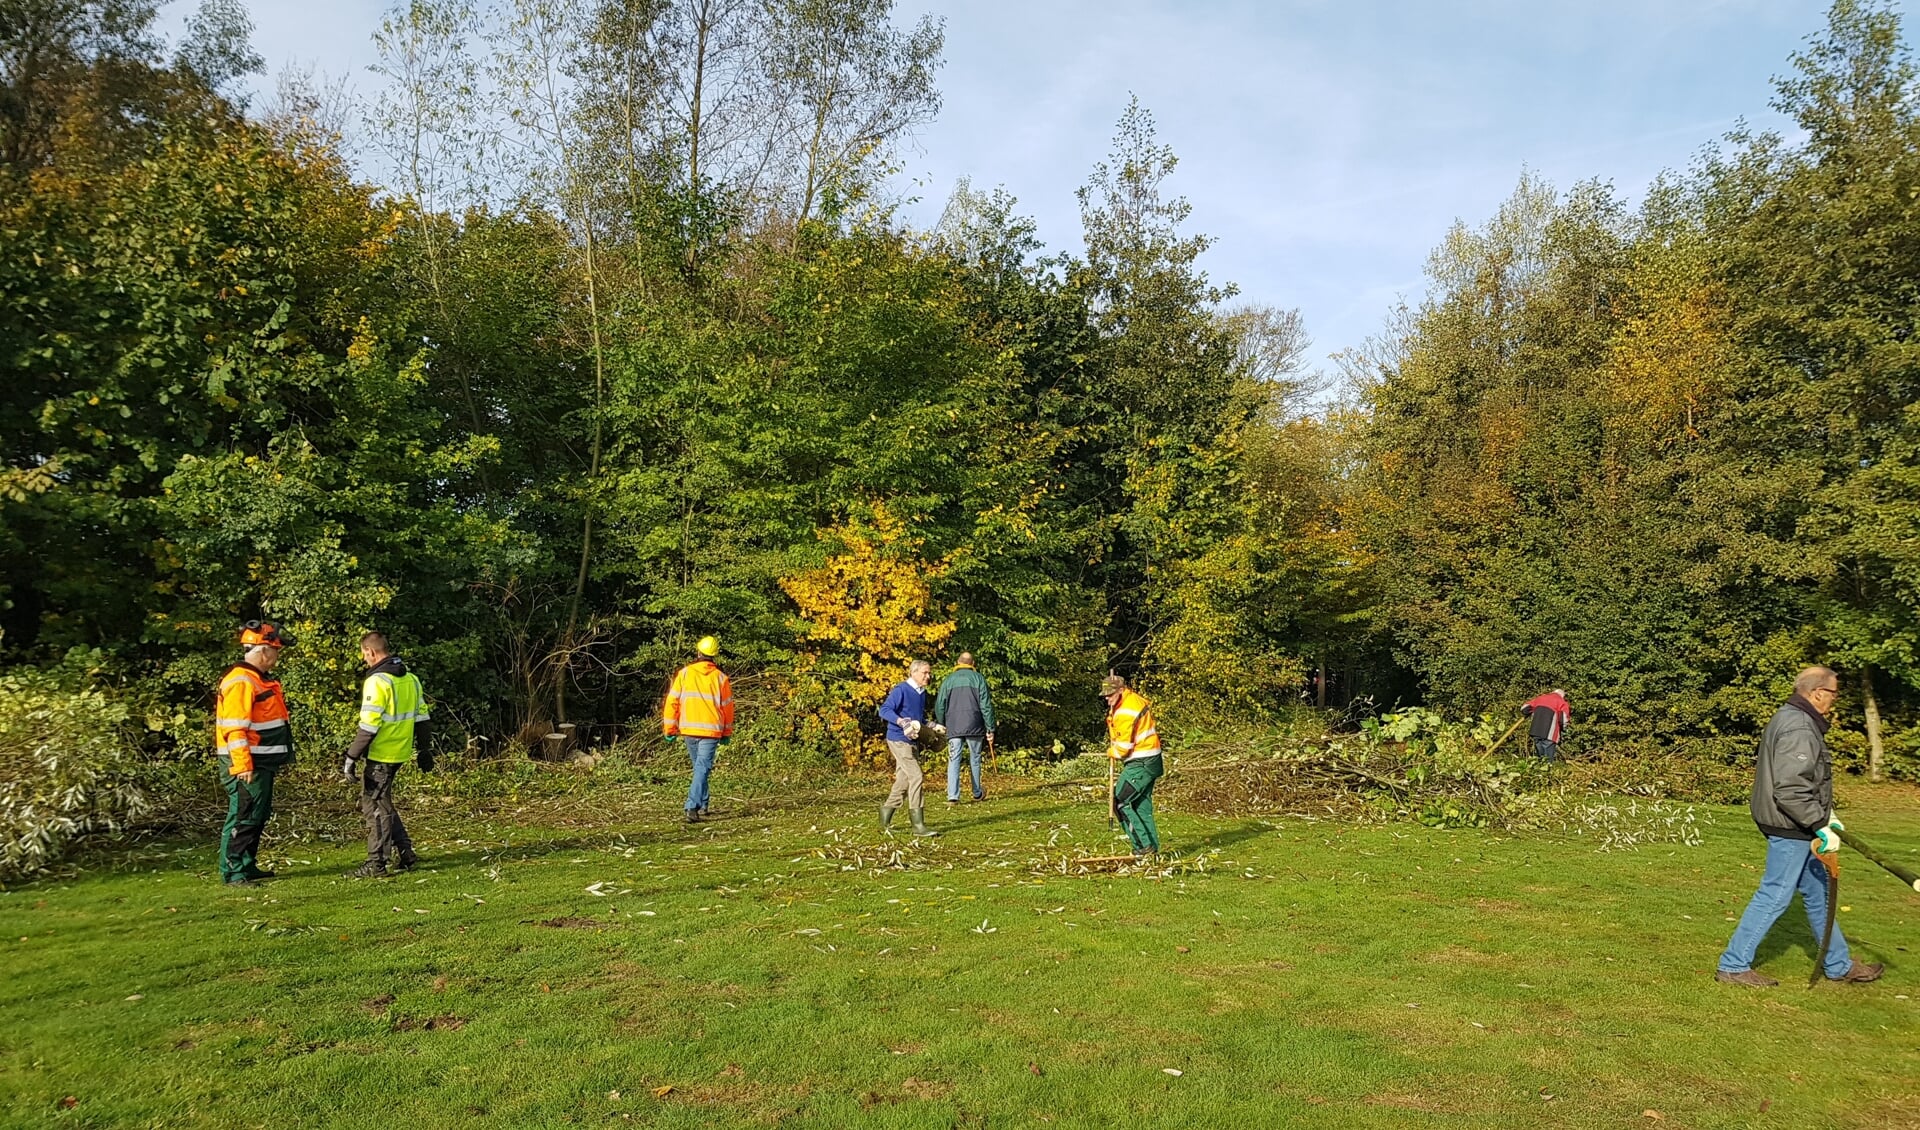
[391,702]
[1130,729]
[250,720]
[699,703]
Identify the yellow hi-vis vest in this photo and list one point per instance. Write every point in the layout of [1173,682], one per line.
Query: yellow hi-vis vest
[389,706]
[699,703]
[1130,729]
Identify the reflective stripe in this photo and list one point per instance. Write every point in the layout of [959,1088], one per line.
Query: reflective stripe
[230,723]
[369,729]
[272,749]
[237,743]
[1126,714]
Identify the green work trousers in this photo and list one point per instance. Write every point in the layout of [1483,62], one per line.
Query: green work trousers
[248,807]
[1133,798]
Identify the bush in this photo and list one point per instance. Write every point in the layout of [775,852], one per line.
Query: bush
[67,765]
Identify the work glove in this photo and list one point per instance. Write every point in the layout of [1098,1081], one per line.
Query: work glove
[1826,840]
[424,758]
[725,740]
[347,767]
[671,737]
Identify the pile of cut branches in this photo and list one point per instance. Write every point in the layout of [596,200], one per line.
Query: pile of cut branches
[1410,764]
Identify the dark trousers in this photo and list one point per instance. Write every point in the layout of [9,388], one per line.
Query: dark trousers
[248,808]
[385,832]
[1546,751]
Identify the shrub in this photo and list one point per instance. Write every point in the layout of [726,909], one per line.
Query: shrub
[67,765]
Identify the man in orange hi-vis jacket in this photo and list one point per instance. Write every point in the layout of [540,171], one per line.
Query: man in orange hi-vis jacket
[699,711]
[255,741]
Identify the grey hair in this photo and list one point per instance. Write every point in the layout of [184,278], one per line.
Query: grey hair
[1814,679]
[918,665]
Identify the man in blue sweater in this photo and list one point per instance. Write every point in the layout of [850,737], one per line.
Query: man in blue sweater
[905,711]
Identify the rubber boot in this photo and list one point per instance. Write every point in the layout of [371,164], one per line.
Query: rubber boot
[920,822]
[886,817]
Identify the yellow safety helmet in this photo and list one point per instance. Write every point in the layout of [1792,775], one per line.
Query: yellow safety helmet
[708,646]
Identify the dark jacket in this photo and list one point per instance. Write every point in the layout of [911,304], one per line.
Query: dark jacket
[965,706]
[1550,713]
[1793,774]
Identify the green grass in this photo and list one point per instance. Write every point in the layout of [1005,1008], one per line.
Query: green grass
[787,965]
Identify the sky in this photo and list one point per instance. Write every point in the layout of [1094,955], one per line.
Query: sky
[1326,145]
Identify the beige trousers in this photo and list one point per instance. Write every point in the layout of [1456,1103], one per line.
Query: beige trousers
[907,778]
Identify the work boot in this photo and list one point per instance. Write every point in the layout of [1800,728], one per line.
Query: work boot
[1751,978]
[240,881]
[886,818]
[406,861]
[920,822]
[259,873]
[1861,972]
[693,816]
[371,869]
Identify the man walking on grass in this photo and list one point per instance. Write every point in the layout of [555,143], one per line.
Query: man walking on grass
[905,711]
[1133,740]
[699,711]
[394,728]
[965,707]
[254,737]
[1793,807]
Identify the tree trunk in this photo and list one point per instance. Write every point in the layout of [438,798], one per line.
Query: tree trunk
[1874,748]
[1322,683]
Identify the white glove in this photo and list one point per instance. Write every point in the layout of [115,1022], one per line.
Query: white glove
[910,728]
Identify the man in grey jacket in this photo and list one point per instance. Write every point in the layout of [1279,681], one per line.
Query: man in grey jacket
[1793,807]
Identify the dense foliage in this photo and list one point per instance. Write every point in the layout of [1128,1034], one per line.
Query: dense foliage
[629,349]
[1664,456]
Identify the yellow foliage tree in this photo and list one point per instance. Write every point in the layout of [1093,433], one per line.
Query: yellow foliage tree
[866,612]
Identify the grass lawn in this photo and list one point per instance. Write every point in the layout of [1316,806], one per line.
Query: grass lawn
[788,965]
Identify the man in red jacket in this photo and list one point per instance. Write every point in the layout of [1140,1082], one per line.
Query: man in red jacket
[1550,715]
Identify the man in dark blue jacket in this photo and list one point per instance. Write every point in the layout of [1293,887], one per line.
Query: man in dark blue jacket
[965,707]
[905,711]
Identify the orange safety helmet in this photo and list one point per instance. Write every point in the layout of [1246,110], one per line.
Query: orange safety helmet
[259,633]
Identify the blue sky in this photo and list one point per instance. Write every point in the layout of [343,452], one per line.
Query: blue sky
[1326,146]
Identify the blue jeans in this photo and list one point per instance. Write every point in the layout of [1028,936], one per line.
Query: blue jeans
[1546,751]
[700,751]
[973,746]
[1790,867]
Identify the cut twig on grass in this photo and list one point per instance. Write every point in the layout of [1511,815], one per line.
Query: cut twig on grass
[446,1023]
[573,922]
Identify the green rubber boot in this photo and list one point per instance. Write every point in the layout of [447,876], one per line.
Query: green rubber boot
[920,822]
[886,817]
